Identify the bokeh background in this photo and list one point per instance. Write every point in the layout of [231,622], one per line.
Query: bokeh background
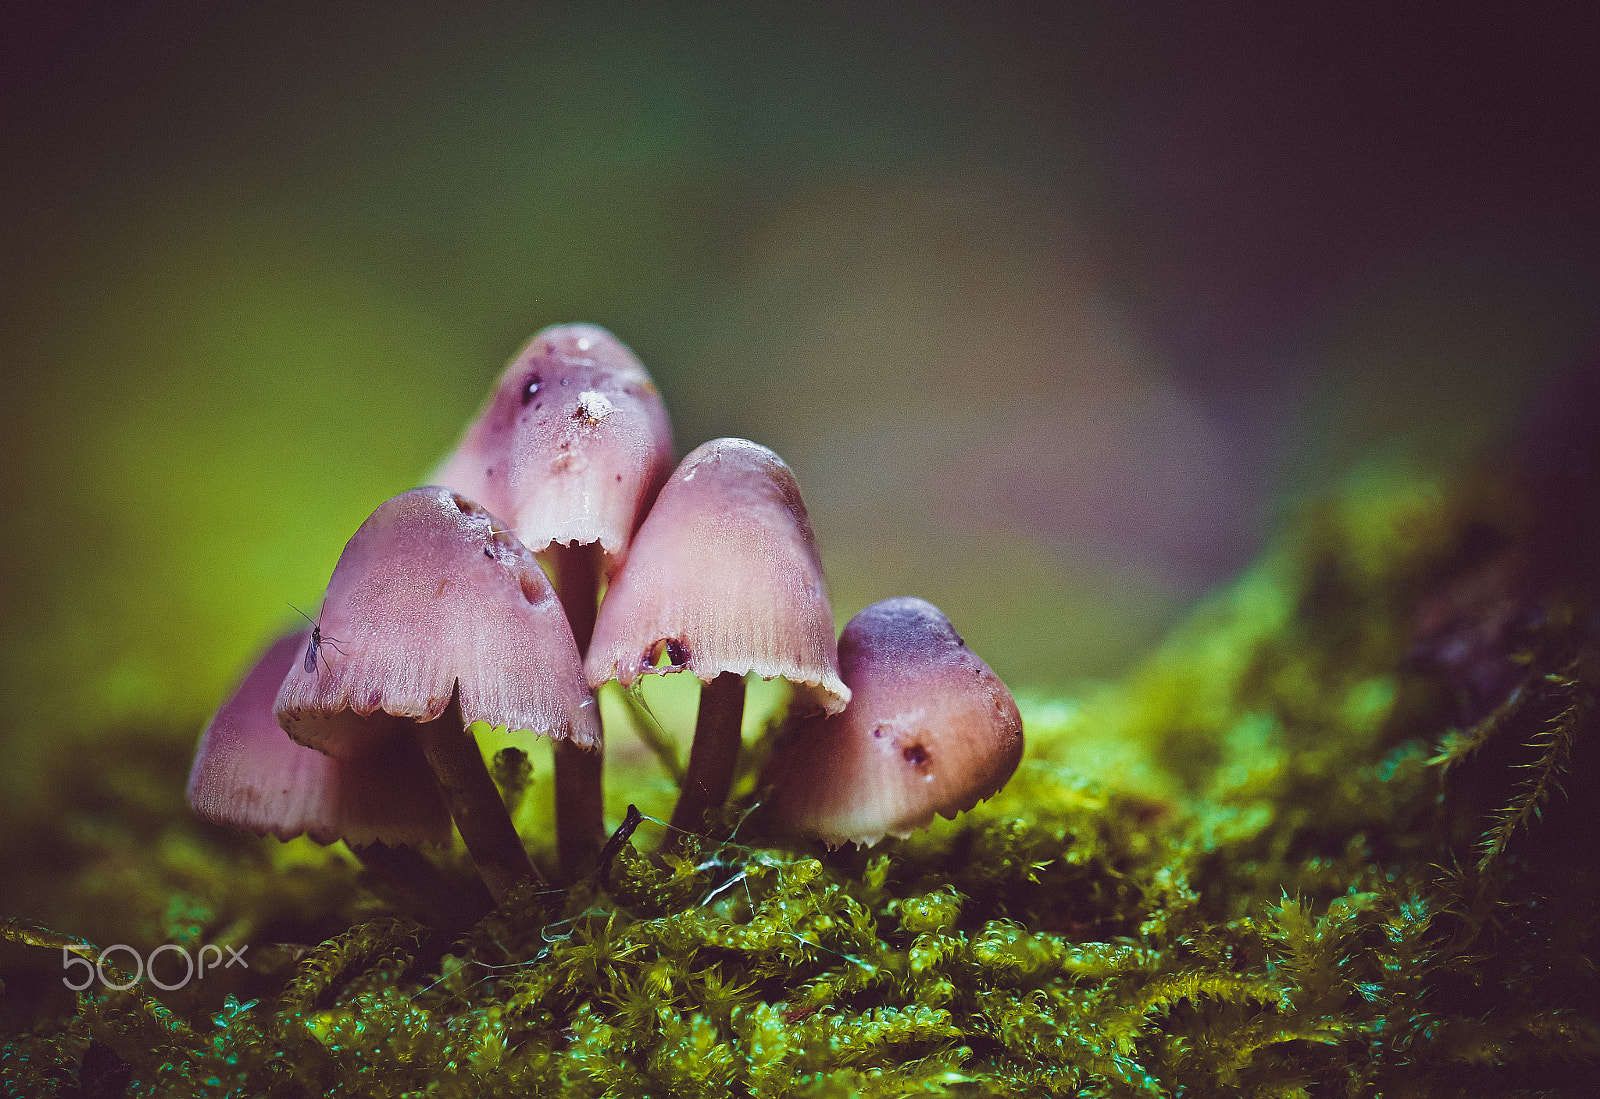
[1055,309]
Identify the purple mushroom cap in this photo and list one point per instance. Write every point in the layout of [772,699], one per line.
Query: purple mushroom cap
[572,446]
[929,729]
[249,775]
[430,599]
[723,576]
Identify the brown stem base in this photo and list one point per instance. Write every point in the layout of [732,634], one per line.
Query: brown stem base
[579,774]
[712,758]
[580,811]
[475,804]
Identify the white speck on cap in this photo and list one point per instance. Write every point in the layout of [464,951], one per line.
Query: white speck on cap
[532,439]
[594,407]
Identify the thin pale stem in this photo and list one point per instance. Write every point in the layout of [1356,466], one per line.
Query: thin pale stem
[579,773]
[712,758]
[475,803]
[649,730]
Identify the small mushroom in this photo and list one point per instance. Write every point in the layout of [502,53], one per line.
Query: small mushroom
[443,620]
[248,774]
[570,450]
[929,729]
[723,580]
[572,446]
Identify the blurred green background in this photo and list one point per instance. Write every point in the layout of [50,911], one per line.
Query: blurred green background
[1054,309]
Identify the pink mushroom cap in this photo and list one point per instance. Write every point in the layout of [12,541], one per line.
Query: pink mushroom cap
[572,446]
[249,775]
[723,576]
[431,599]
[929,729]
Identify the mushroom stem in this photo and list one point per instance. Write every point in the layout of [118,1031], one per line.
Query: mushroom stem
[577,570]
[712,758]
[580,814]
[474,802]
[422,886]
[579,773]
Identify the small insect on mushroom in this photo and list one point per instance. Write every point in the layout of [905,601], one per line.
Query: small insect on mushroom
[445,638]
[314,646]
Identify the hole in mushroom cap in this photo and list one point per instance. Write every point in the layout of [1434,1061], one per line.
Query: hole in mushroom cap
[916,755]
[668,652]
[530,387]
[532,590]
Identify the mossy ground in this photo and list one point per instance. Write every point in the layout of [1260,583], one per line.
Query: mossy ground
[1267,863]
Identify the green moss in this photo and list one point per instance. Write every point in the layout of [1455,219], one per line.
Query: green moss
[1264,864]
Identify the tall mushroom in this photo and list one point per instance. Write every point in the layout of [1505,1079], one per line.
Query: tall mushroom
[248,774]
[723,580]
[443,620]
[929,729]
[570,450]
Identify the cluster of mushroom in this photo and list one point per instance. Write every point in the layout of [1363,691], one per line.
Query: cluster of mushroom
[439,615]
